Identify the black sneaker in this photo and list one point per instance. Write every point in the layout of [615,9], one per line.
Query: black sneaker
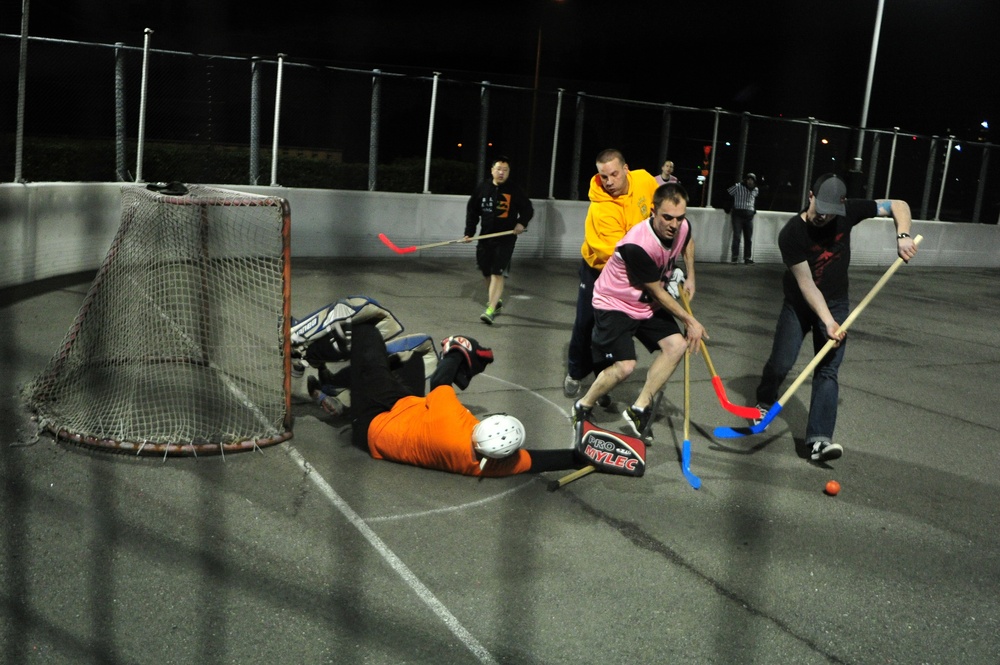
[580,412]
[496,310]
[748,262]
[638,420]
[604,401]
[734,260]
[824,451]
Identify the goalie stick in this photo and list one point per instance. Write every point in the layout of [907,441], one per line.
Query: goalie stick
[720,390]
[735,432]
[406,250]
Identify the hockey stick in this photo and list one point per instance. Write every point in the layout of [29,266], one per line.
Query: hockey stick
[720,390]
[406,250]
[570,477]
[692,479]
[734,432]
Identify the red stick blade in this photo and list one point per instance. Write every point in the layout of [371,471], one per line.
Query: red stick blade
[741,411]
[399,250]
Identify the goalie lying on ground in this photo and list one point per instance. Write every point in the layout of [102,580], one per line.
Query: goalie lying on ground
[391,422]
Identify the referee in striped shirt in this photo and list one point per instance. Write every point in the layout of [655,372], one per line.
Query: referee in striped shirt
[744,208]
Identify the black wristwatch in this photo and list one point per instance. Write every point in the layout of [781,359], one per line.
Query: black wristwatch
[900,236]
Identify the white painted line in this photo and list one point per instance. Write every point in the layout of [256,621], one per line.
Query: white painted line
[450,509]
[457,629]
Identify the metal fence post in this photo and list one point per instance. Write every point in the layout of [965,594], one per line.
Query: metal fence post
[741,154]
[807,171]
[873,165]
[665,133]
[141,142]
[277,118]
[121,170]
[484,115]
[574,171]
[430,134]
[944,177]
[555,145]
[981,187]
[374,128]
[711,166]
[928,178]
[892,160]
[254,120]
[22,84]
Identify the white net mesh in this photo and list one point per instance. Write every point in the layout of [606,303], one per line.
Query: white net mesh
[181,345]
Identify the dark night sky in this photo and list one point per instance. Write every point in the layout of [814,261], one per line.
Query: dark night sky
[935,74]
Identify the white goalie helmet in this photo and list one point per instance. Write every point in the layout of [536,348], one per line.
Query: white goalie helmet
[498,436]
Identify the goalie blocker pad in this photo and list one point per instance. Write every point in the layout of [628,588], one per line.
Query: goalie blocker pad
[611,452]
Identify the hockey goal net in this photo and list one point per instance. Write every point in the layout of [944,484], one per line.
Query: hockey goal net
[182,344]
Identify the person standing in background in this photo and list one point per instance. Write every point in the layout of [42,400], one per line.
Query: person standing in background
[666,174]
[496,205]
[744,208]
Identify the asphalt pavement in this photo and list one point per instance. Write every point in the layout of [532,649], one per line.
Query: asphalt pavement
[310,551]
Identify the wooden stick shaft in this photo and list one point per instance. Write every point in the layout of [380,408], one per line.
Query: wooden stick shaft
[576,475]
[452,242]
[704,349]
[687,394]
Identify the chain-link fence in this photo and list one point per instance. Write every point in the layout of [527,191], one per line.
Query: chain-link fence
[111,112]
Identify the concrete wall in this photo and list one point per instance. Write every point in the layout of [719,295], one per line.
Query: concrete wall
[51,229]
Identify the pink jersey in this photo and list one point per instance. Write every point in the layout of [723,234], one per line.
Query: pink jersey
[640,256]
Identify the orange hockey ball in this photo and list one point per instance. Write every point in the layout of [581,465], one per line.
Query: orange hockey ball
[832,487]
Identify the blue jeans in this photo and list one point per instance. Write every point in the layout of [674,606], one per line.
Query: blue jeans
[793,324]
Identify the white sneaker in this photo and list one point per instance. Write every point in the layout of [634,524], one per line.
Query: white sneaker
[571,387]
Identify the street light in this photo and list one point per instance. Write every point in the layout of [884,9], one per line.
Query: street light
[534,100]
[868,93]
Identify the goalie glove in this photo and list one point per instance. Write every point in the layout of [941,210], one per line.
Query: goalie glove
[674,283]
[475,356]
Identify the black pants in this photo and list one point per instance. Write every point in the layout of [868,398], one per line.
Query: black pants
[742,221]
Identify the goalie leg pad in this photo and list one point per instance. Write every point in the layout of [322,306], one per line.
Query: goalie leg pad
[341,315]
[612,452]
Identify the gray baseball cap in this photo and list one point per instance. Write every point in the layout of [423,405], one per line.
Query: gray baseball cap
[830,192]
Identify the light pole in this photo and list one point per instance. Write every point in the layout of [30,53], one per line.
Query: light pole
[856,170]
[534,112]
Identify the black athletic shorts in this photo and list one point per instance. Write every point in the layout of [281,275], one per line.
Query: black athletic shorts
[493,256]
[613,333]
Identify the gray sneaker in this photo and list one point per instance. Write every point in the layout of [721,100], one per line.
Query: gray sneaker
[824,451]
[571,387]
